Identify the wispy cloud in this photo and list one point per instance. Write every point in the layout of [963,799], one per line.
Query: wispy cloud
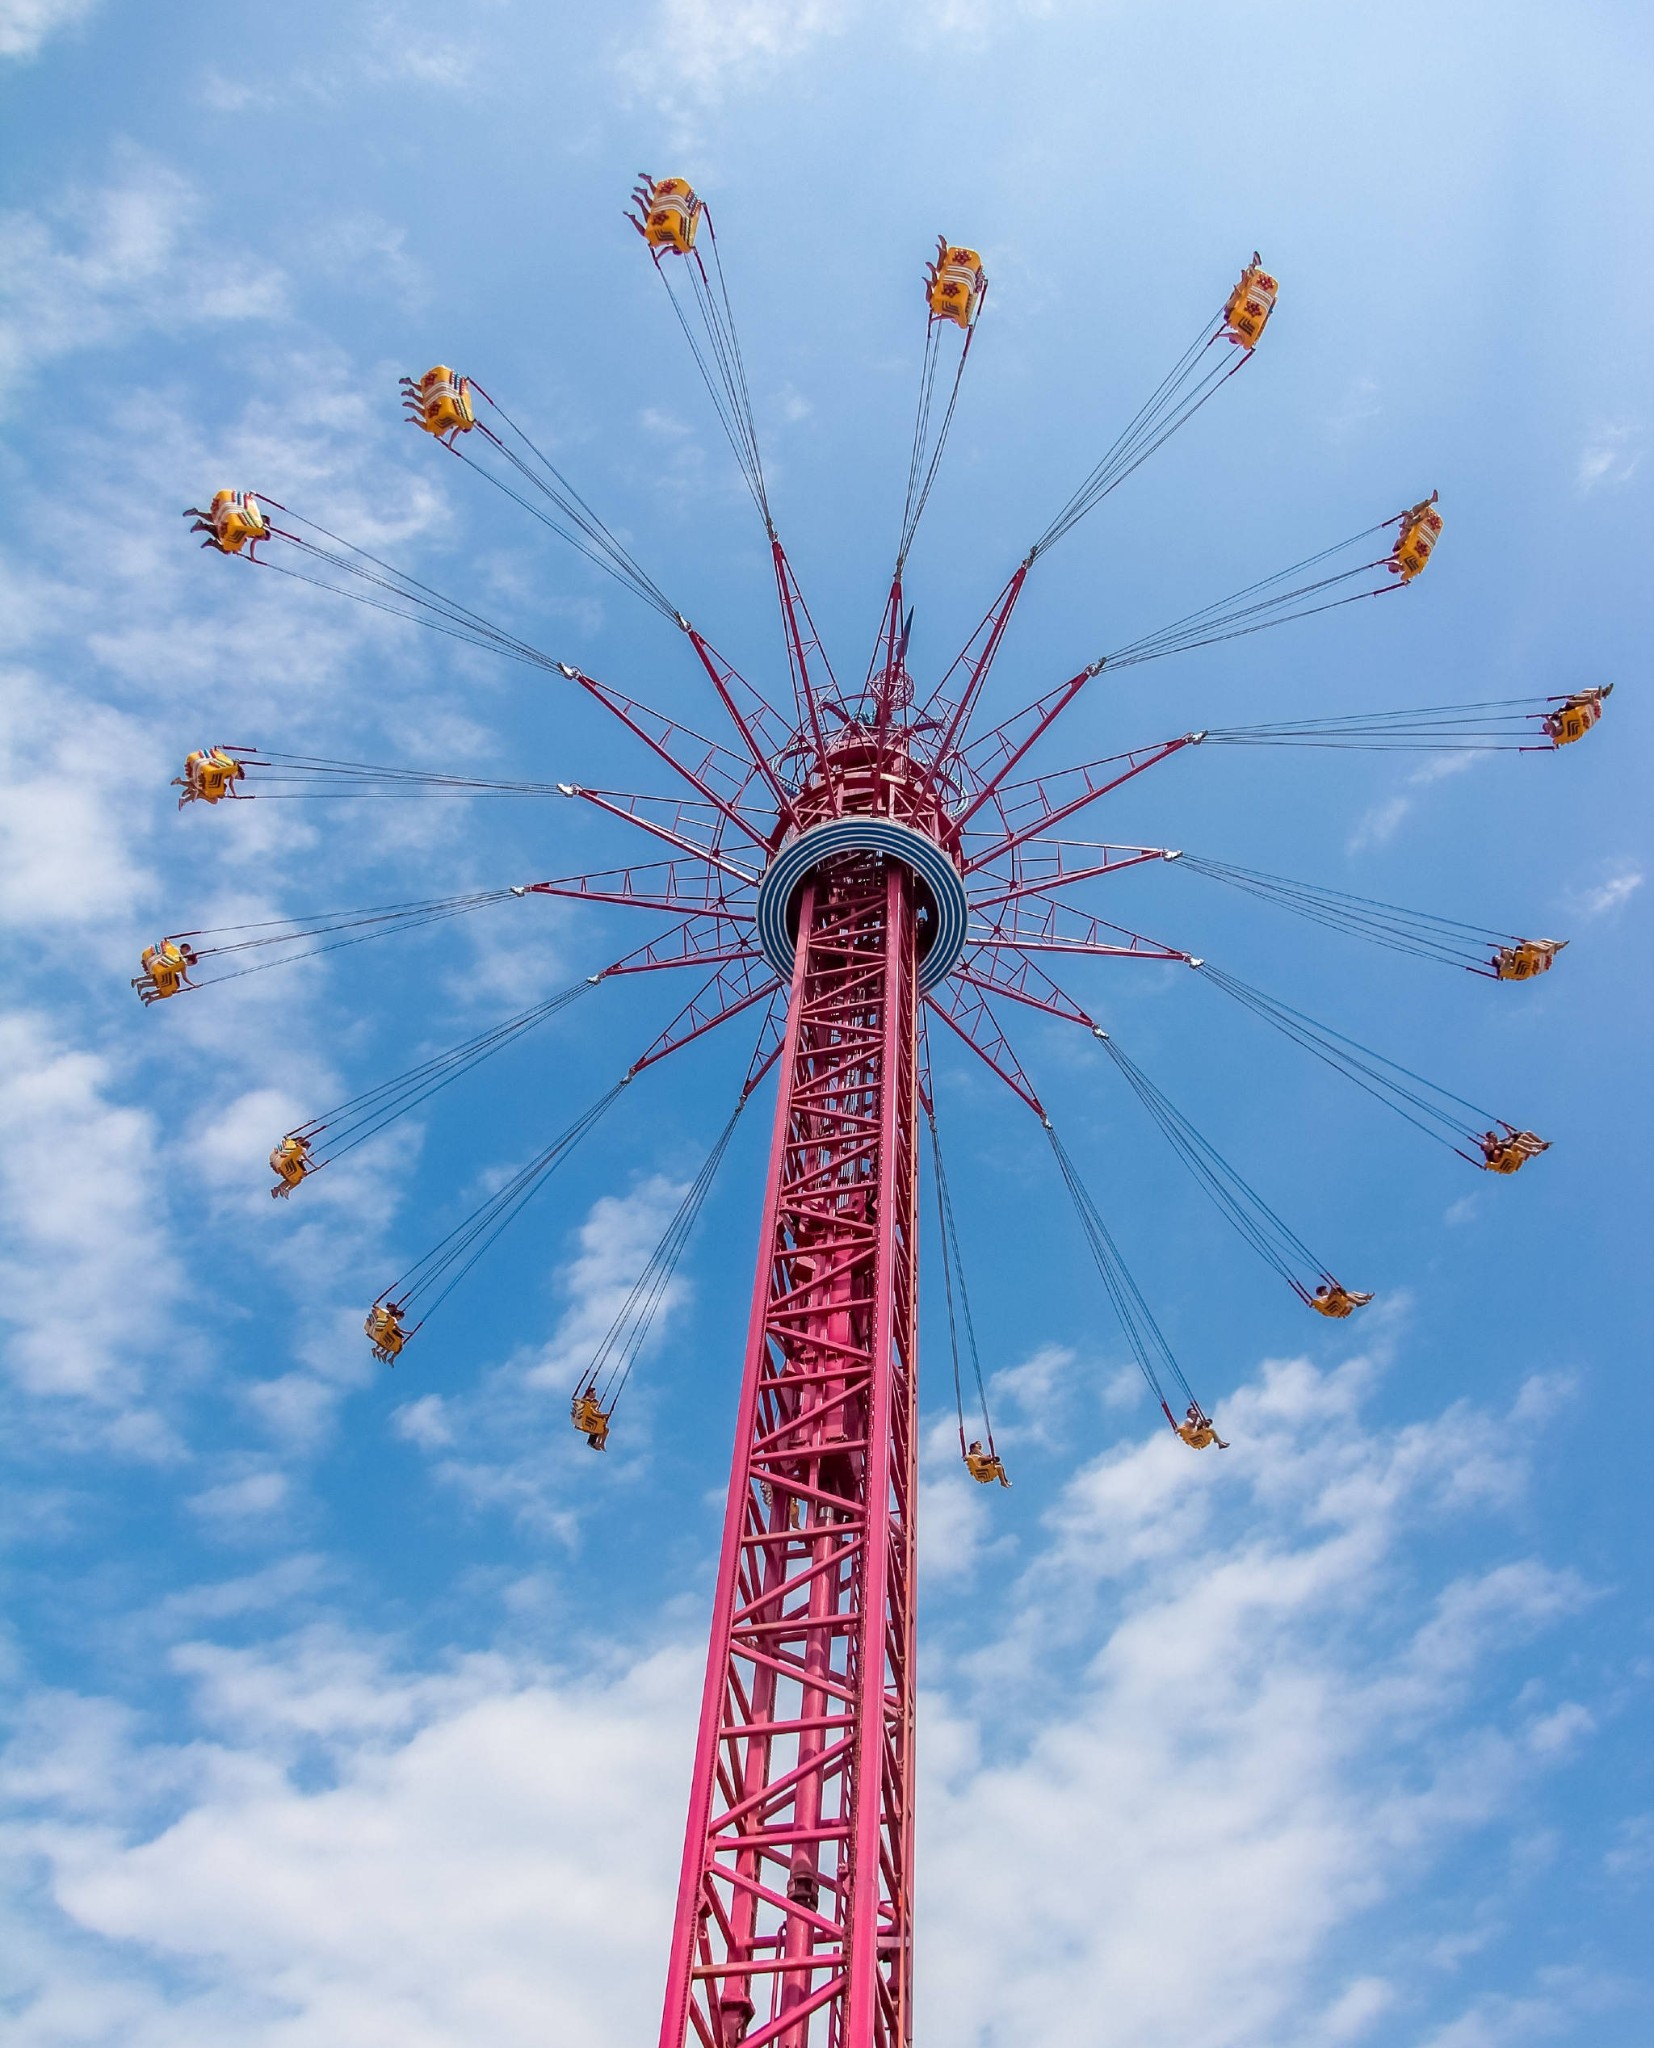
[1263,1734]
[88,1280]
[1612,454]
[127,254]
[722,45]
[508,1446]
[249,1500]
[1379,824]
[1602,899]
[1360,403]
[26,24]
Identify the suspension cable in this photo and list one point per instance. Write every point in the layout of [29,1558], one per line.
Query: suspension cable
[1275,1242]
[1260,605]
[1435,1110]
[577,523]
[359,925]
[708,325]
[1420,932]
[301,778]
[430,1280]
[352,1123]
[1142,1333]
[1175,400]
[611,1366]
[953,1263]
[926,458]
[1499,725]
[415,601]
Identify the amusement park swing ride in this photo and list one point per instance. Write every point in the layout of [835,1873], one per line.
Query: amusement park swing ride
[855,866]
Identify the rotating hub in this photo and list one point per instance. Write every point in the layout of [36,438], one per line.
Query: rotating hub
[941,890]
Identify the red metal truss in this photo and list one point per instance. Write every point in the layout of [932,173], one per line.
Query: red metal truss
[721,777]
[664,885]
[1044,925]
[696,942]
[965,1010]
[988,760]
[735,986]
[772,1035]
[1041,865]
[952,713]
[768,738]
[803,645]
[692,827]
[1012,974]
[1024,810]
[887,649]
[794,1922]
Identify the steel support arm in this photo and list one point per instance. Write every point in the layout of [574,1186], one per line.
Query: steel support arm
[710,769]
[672,886]
[964,1008]
[735,987]
[634,809]
[1059,796]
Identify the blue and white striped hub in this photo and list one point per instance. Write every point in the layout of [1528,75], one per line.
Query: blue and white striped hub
[941,890]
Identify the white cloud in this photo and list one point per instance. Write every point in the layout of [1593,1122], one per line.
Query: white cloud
[1378,824]
[26,24]
[362,249]
[247,1501]
[615,1243]
[1603,898]
[720,45]
[1562,1729]
[64,818]
[1356,2008]
[424,1422]
[1261,1743]
[1632,1857]
[1612,454]
[87,1278]
[509,1445]
[484,1853]
[110,261]
[955,1511]
[1032,1402]
[1262,1751]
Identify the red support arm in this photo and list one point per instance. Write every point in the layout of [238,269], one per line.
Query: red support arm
[765,734]
[772,1036]
[1042,925]
[1015,975]
[991,758]
[680,820]
[802,641]
[964,1009]
[672,886]
[976,657]
[1051,798]
[706,941]
[710,769]
[735,987]
[1039,868]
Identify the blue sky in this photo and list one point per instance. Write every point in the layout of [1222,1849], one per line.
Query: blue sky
[347,1708]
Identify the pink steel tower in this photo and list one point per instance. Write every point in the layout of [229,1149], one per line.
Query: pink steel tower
[854,861]
[794,1917]
[794,1913]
